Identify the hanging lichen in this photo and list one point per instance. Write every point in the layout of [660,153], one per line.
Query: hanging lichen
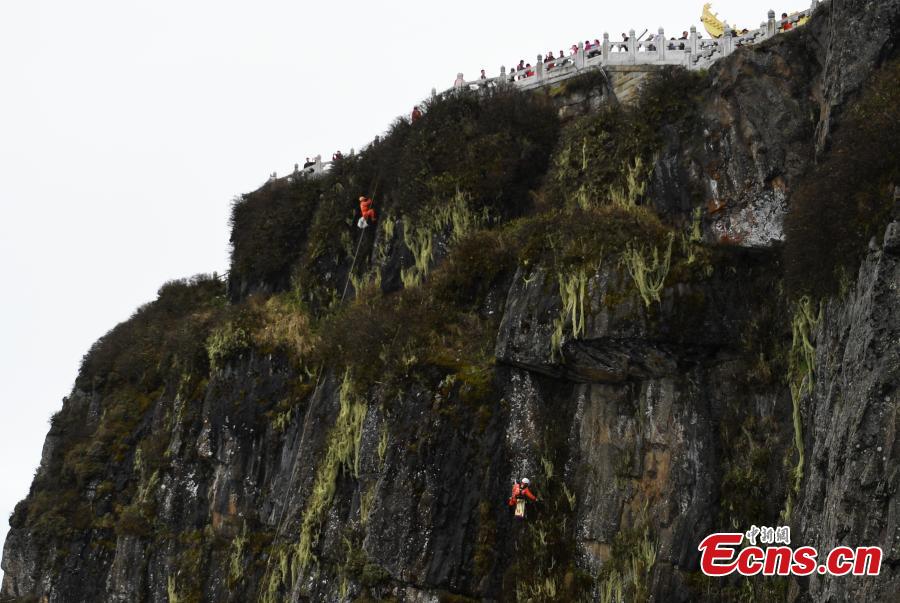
[801,376]
[648,268]
[572,293]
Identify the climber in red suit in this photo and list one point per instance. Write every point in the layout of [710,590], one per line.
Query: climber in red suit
[521,490]
[365,209]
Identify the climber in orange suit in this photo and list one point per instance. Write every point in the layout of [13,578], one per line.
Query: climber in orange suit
[366,211]
[521,490]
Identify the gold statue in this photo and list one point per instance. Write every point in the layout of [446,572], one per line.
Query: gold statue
[710,20]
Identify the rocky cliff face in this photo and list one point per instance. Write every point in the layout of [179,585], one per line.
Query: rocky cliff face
[850,418]
[596,302]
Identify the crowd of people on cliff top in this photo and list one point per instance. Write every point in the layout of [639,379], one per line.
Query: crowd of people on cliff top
[524,70]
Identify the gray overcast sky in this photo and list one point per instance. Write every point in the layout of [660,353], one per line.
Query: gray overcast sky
[127,126]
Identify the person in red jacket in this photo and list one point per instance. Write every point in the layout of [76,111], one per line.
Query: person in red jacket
[367,213]
[520,492]
[416,114]
[785,24]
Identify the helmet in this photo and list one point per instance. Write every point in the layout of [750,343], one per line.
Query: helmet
[525,481]
[362,198]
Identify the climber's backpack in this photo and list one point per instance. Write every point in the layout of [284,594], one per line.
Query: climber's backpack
[520,508]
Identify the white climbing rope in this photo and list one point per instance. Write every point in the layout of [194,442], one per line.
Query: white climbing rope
[279,525]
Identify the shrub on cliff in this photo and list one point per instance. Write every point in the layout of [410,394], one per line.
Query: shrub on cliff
[573,238]
[164,333]
[474,266]
[268,232]
[121,378]
[493,149]
[383,338]
[598,153]
[847,198]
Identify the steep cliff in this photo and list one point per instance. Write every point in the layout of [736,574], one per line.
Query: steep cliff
[616,301]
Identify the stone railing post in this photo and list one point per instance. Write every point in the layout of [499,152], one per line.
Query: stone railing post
[688,64]
[814,5]
[661,45]
[692,40]
[605,48]
[579,56]
[632,47]
[539,68]
[503,79]
[770,25]
[727,42]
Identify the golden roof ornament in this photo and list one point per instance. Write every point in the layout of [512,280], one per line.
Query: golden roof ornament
[714,27]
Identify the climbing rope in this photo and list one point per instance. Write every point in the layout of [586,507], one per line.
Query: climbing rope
[358,243]
[279,525]
[349,274]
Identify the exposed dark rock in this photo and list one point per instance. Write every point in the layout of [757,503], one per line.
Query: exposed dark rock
[850,418]
[376,465]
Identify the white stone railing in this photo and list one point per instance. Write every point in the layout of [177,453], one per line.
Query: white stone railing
[317,169]
[693,52]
